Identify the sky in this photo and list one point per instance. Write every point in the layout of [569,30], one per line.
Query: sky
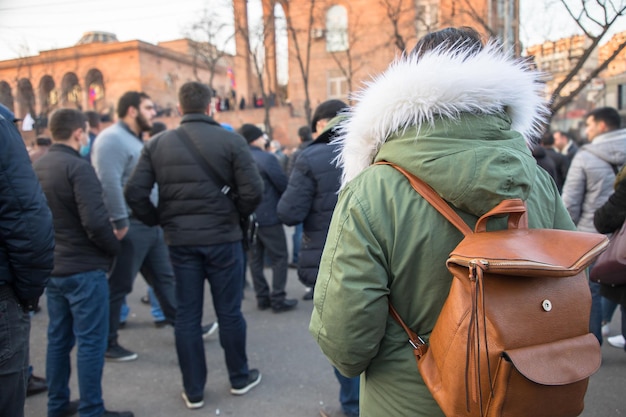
[30,26]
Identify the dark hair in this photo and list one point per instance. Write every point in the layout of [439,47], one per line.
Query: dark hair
[547,139]
[305,134]
[128,100]
[93,118]
[194,97]
[608,115]
[63,122]
[157,127]
[43,141]
[464,39]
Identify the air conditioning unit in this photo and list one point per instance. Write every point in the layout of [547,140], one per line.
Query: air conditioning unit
[317,33]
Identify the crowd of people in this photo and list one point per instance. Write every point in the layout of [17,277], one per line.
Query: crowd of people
[102,204]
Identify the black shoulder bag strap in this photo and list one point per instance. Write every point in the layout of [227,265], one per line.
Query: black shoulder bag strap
[204,164]
[248,223]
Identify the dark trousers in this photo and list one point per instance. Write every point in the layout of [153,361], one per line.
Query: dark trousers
[14,335]
[222,266]
[271,241]
[143,249]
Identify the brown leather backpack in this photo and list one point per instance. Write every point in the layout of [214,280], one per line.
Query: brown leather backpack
[513,336]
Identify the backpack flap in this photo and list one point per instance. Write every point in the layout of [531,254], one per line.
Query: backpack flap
[548,380]
[537,252]
[557,363]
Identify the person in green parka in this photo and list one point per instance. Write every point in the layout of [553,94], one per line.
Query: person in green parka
[463,117]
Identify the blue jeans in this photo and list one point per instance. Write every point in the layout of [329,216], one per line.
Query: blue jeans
[608,309]
[222,266]
[143,249]
[348,394]
[14,335]
[155,308]
[78,307]
[297,241]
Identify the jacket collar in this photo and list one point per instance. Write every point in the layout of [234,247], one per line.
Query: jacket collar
[444,84]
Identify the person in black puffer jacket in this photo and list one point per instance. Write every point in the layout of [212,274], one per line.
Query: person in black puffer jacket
[310,198]
[26,259]
[311,194]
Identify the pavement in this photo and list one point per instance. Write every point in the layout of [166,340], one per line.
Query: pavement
[297,380]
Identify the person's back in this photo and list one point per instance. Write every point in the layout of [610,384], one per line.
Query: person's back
[193,167]
[310,199]
[388,245]
[192,209]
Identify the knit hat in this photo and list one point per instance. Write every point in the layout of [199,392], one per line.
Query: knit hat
[327,110]
[250,132]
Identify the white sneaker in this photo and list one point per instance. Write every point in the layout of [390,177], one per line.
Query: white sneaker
[209,330]
[606,330]
[192,405]
[617,341]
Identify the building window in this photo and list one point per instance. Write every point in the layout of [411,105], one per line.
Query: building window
[337,29]
[337,85]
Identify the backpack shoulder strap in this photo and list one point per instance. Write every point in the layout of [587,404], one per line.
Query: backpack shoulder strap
[433,198]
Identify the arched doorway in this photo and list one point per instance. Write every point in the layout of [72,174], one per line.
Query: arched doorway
[6,96]
[71,92]
[95,90]
[48,96]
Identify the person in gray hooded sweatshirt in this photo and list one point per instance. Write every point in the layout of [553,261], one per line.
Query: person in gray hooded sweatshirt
[589,183]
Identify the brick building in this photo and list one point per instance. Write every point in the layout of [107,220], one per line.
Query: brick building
[558,58]
[349,41]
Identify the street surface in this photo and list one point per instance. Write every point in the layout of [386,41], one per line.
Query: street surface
[297,379]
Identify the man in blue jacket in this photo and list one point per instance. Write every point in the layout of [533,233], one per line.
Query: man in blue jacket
[270,235]
[26,259]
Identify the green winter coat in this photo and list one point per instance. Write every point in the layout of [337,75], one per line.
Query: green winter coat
[387,244]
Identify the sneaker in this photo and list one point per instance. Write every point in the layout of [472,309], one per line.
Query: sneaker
[284,305]
[71,409]
[108,413]
[192,405]
[254,378]
[617,341]
[36,385]
[159,324]
[209,330]
[308,294]
[116,353]
[263,303]
[606,330]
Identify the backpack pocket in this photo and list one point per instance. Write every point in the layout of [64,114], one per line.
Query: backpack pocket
[546,380]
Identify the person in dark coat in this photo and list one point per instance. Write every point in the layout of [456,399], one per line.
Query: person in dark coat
[561,163]
[609,219]
[78,291]
[304,134]
[310,199]
[544,161]
[201,226]
[271,238]
[26,259]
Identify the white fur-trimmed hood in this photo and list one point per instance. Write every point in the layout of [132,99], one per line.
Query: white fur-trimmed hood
[413,92]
